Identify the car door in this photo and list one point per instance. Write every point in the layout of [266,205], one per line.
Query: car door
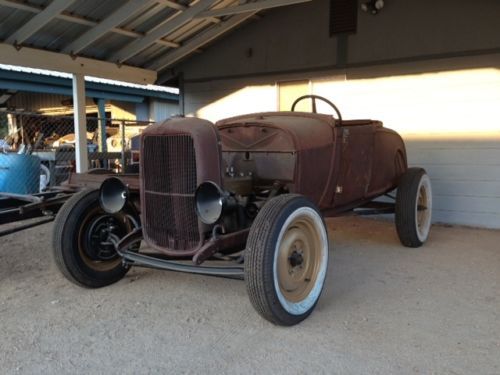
[356,155]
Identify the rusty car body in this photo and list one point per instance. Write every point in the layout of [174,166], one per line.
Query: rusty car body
[249,193]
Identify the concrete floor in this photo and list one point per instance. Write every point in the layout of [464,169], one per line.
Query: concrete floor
[386,309]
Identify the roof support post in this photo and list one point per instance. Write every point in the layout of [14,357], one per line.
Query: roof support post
[101,113]
[80,118]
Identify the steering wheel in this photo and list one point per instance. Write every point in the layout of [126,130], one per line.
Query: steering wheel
[313,98]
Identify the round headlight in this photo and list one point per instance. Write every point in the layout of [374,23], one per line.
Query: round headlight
[210,201]
[113,195]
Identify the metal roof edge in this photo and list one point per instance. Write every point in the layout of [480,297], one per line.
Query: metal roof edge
[114,90]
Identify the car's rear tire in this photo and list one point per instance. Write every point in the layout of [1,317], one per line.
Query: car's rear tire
[79,244]
[286,259]
[414,207]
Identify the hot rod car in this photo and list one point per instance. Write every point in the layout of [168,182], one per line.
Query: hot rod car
[243,198]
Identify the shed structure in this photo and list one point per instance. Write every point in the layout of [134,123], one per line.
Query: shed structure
[132,41]
[431,71]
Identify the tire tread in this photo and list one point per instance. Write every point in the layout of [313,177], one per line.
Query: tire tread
[258,259]
[405,207]
[66,221]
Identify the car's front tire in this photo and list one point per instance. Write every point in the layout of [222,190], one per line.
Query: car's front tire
[414,207]
[79,241]
[286,259]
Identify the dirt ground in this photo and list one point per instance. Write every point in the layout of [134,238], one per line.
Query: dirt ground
[385,309]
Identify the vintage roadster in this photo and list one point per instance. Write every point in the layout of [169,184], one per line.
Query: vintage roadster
[243,198]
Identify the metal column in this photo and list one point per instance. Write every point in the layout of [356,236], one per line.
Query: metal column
[81,151]
[101,112]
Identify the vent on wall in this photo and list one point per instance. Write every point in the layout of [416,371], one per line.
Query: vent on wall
[343,16]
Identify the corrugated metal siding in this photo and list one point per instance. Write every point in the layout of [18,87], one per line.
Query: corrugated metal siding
[32,102]
[142,111]
[161,110]
[465,178]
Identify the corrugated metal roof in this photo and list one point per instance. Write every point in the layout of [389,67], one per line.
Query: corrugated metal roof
[104,46]
[149,31]
[11,19]
[13,68]
[158,14]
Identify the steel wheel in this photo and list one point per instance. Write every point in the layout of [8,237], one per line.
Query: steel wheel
[96,250]
[286,259]
[81,242]
[414,207]
[423,209]
[300,260]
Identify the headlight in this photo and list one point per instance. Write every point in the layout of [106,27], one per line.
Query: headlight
[211,201]
[113,195]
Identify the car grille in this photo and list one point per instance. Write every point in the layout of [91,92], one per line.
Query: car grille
[169,183]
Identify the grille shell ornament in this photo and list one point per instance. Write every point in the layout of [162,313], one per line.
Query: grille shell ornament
[175,158]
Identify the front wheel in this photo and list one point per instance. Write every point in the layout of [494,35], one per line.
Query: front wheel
[286,259]
[80,241]
[414,207]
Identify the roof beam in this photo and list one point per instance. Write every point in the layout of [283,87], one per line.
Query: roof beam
[39,59]
[39,21]
[84,21]
[9,79]
[249,7]
[114,19]
[177,6]
[172,4]
[198,41]
[166,28]
[144,16]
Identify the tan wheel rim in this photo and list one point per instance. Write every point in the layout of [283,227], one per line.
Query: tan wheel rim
[300,260]
[423,210]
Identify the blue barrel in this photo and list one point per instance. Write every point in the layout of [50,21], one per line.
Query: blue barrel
[19,174]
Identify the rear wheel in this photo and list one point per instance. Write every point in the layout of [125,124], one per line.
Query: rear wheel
[80,241]
[286,259]
[414,207]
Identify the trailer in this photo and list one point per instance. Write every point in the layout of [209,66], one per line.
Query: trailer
[41,208]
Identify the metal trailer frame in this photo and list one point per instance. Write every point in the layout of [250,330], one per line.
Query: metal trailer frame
[18,207]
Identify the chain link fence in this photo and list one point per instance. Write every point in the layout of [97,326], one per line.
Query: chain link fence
[37,152]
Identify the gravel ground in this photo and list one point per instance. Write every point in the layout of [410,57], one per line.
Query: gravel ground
[385,310]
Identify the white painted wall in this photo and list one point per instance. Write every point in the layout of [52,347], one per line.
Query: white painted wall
[429,70]
[451,125]
[213,102]
[450,122]
[297,38]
